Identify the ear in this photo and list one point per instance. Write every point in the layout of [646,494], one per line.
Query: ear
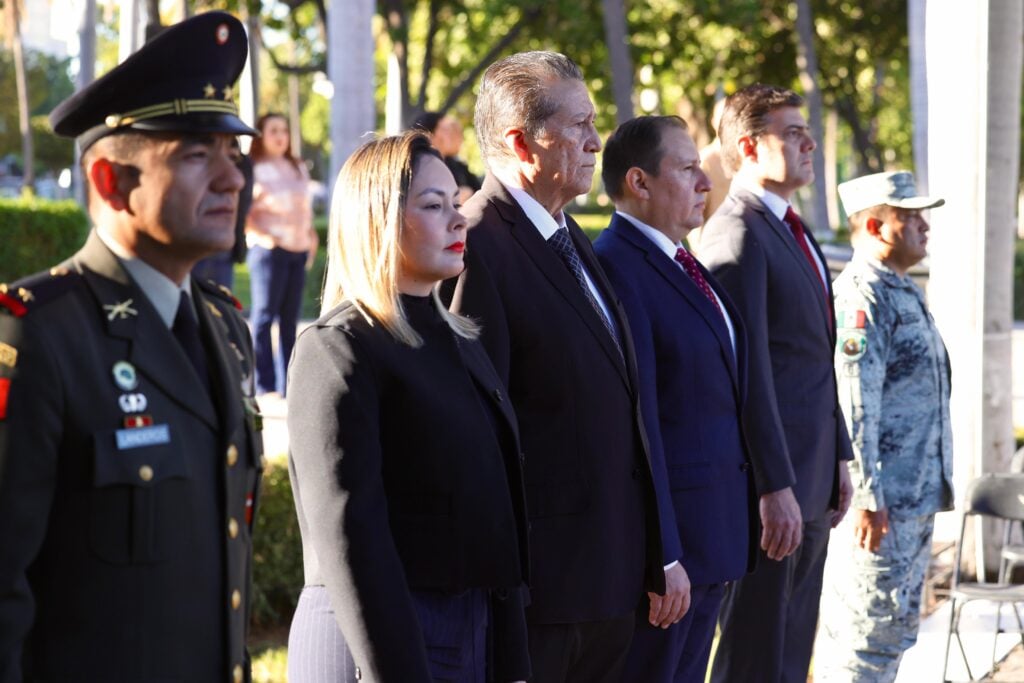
[635,182]
[104,175]
[515,139]
[747,147]
[873,226]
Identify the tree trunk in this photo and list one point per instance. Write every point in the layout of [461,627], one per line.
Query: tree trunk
[86,74]
[24,123]
[617,38]
[918,91]
[351,70]
[807,62]
[971,246]
[128,29]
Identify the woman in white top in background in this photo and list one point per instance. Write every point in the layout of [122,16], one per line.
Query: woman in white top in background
[282,244]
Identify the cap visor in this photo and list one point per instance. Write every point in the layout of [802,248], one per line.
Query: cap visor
[917,203]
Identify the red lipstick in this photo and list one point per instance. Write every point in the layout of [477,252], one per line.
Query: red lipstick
[457,247]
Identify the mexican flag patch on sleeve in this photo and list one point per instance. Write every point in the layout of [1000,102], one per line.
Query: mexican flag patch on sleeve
[850,320]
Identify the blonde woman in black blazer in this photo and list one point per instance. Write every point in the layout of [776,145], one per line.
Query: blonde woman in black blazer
[404,451]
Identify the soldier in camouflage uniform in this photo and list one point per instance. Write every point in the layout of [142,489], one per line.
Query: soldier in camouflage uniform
[893,376]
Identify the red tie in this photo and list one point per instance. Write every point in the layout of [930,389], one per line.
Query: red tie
[689,264]
[796,226]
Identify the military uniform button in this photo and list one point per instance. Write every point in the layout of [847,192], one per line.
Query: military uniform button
[237,675]
[146,473]
[236,599]
[359,674]
[232,455]
[233,527]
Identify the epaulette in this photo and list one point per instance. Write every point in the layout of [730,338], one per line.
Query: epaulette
[219,291]
[20,297]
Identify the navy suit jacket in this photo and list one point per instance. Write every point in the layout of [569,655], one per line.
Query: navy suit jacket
[595,545]
[692,389]
[793,416]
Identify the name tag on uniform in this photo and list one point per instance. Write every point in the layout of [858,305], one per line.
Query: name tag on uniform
[142,436]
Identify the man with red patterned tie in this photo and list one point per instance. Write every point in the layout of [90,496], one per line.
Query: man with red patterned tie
[691,369]
[759,250]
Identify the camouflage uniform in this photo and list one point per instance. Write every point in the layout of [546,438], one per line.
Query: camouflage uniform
[893,375]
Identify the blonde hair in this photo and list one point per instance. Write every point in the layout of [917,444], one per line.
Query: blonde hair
[363,241]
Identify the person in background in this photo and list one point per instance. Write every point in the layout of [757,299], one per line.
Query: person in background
[757,248]
[691,368]
[445,134]
[894,380]
[220,268]
[129,436]
[282,245]
[404,456]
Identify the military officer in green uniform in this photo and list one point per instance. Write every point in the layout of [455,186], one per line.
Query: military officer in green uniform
[893,375]
[129,445]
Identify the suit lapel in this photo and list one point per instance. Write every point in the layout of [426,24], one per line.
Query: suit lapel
[784,234]
[682,283]
[525,233]
[224,365]
[128,314]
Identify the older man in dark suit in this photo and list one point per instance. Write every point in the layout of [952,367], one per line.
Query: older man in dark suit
[561,343]
[759,250]
[129,444]
[691,358]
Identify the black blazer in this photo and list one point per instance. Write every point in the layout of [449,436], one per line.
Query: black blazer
[692,390]
[122,563]
[595,539]
[793,420]
[406,474]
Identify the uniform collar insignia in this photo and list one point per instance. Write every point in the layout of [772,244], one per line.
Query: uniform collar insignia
[120,310]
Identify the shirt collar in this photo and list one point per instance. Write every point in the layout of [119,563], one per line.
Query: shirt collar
[659,238]
[542,220]
[884,272]
[157,287]
[773,202]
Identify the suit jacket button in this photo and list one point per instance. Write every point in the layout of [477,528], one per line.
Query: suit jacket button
[359,674]
[237,675]
[146,473]
[497,396]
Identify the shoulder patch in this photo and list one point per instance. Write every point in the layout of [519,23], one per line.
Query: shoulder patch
[853,345]
[21,297]
[220,291]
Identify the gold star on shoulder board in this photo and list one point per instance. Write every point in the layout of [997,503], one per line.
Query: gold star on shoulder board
[227,93]
[25,294]
[209,92]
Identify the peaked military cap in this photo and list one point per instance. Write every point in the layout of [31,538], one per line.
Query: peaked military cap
[181,81]
[894,188]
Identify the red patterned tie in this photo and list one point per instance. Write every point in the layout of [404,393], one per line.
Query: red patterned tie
[796,226]
[689,264]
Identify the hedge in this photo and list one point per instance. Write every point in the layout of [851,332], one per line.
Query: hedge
[36,234]
[277,550]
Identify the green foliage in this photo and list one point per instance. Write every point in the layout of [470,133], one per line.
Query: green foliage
[48,84]
[36,234]
[277,550]
[269,664]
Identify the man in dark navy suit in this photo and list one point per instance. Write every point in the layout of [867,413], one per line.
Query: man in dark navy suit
[690,351]
[561,343]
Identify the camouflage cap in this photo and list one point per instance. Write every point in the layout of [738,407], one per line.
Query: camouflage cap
[893,188]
